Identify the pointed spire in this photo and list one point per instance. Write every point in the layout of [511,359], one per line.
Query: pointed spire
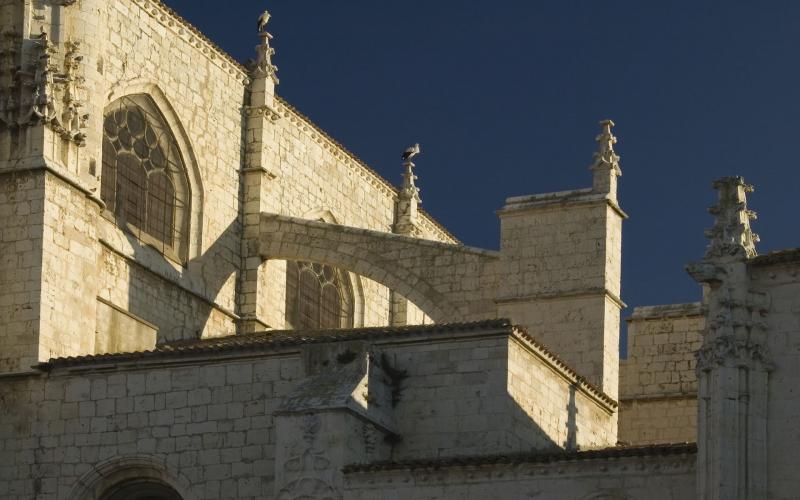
[262,66]
[606,162]
[731,234]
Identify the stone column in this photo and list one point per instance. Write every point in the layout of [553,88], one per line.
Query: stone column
[258,177]
[733,364]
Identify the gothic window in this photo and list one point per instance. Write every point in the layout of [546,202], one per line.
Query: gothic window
[144,182]
[318,296]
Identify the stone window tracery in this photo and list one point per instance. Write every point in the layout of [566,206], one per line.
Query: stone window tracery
[318,296]
[144,182]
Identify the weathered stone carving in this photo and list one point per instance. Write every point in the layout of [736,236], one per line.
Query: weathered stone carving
[731,233]
[727,351]
[605,168]
[310,464]
[40,92]
[9,74]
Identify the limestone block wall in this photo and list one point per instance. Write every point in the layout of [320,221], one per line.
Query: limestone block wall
[208,426]
[669,477]
[21,220]
[777,276]
[569,416]
[69,271]
[496,394]
[143,48]
[658,383]
[561,265]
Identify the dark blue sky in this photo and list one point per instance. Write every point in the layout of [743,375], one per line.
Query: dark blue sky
[504,97]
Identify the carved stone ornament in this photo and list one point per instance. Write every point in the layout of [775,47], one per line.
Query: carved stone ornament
[266,111]
[727,351]
[409,189]
[605,157]
[308,467]
[41,92]
[731,234]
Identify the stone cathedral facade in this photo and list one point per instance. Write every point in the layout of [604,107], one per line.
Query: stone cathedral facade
[203,295]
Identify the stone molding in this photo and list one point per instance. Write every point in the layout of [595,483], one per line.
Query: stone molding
[268,112]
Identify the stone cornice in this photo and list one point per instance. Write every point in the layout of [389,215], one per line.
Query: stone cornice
[266,111]
[578,197]
[643,313]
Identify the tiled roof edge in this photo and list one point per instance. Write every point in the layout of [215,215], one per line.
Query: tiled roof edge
[787,256]
[273,339]
[616,452]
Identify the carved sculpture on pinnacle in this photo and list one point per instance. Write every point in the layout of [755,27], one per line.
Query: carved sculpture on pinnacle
[606,157]
[731,234]
[262,66]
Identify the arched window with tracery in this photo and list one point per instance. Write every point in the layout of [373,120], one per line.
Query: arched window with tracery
[144,181]
[317,296]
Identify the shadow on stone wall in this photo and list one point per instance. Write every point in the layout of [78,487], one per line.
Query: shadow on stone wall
[182,302]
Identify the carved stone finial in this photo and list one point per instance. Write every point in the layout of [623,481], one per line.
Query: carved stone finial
[731,234]
[262,66]
[605,157]
[605,168]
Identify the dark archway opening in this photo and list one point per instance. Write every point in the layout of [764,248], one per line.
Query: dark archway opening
[141,489]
